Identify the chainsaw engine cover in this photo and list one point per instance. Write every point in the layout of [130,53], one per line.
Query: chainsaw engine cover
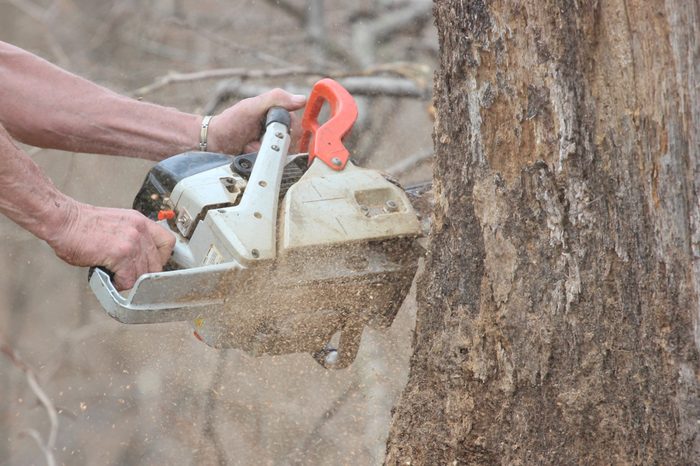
[160,181]
[163,177]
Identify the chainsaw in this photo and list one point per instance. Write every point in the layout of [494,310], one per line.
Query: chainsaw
[277,253]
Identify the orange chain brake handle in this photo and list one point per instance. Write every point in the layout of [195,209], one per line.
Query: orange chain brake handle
[326,141]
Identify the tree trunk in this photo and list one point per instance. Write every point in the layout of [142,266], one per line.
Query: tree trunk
[558,313]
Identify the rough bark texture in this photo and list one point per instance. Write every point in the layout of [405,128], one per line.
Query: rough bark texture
[558,314]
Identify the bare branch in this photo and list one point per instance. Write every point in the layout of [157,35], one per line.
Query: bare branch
[223,73]
[383,86]
[223,42]
[289,8]
[30,9]
[357,85]
[48,447]
[232,88]
[415,71]
[209,432]
[45,17]
[316,31]
[397,21]
[329,47]
[408,163]
[34,434]
[326,417]
[366,34]
[48,405]
[363,140]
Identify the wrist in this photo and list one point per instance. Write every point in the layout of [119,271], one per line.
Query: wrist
[204,133]
[223,138]
[214,143]
[61,214]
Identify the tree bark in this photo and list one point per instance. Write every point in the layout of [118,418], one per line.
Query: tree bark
[558,312]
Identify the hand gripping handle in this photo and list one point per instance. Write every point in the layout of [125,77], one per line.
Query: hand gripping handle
[325,141]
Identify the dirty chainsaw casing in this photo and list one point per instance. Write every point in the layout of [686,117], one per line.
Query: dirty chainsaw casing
[277,254]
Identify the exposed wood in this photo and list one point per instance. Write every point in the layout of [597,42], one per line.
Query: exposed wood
[558,313]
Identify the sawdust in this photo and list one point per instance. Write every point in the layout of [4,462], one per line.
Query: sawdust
[300,301]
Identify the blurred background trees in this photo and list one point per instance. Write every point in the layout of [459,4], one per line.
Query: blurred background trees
[154,394]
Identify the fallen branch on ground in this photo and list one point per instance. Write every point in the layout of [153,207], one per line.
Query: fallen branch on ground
[36,436]
[48,446]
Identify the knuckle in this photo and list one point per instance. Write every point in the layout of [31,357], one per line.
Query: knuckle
[156,267]
[139,222]
[143,269]
[131,235]
[123,280]
[123,249]
[277,94]
[131,214]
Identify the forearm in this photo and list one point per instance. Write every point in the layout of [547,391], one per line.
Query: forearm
[122,240]
[27,196]
[45,106]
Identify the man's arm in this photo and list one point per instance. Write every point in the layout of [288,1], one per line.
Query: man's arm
[45,106]
[124,241]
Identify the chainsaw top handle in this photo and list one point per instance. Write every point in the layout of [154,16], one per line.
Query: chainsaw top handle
[325,141]
[278,115]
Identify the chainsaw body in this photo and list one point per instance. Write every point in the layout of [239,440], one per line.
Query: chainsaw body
[277,254]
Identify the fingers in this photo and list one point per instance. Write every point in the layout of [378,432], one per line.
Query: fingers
[124,241]
[252,147]
[124,279]
[151,249]
[295,132]
[131,251]
[164,242]
[281,98]
[123,258]
[292,102]
[235,128]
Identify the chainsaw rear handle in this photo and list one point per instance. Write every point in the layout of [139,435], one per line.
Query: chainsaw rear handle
[326,141]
